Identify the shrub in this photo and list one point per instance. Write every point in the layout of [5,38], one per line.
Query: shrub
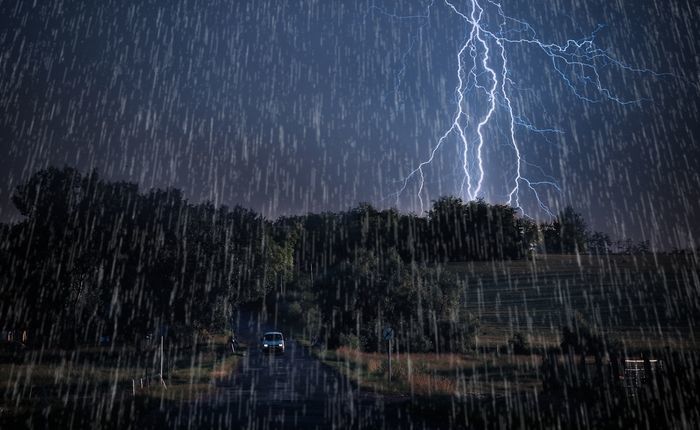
[518,344]
[349,340]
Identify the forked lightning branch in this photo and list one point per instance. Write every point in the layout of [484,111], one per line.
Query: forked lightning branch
[484,77]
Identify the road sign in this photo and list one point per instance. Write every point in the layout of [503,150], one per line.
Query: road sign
[388,333]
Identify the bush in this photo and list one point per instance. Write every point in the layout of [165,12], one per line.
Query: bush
[417,341]
[518,344]
[294,311]
[350,341]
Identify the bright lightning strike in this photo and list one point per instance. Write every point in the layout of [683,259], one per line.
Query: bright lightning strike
[483,69]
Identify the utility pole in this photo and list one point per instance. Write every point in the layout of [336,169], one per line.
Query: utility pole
[389,350]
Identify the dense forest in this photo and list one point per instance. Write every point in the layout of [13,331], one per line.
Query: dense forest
[94,258]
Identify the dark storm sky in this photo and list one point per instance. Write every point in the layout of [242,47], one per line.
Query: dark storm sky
[288,107]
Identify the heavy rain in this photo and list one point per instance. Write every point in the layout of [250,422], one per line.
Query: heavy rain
[330,214]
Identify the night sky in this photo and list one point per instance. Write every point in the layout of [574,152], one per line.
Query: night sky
[288,107]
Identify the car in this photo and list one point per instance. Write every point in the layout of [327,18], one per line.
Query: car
[272,341]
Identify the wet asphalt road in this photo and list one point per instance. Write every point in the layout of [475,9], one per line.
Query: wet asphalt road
[295,390]
[290,390]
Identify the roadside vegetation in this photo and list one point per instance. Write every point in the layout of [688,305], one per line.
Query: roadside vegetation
[420,375]
[107,375]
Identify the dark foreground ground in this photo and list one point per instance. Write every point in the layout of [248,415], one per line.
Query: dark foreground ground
[268,391]
[295,390]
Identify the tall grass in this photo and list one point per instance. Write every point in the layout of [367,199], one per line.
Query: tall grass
[422,374]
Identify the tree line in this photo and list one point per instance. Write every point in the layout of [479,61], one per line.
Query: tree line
[93,257]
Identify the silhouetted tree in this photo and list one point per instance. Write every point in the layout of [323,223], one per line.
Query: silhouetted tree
[475,231]
[94,257]
[598,243]
[566,234]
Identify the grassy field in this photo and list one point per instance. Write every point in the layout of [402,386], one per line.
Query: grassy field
[647,302]
[105,376]
[426,375]
[642,300]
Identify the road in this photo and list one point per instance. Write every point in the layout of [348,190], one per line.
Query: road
[295,390]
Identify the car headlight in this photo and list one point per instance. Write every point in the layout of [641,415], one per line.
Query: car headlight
[265,345]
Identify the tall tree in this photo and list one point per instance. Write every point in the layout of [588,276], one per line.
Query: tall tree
[566,234]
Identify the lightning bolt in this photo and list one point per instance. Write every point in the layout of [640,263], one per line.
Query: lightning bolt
[483,69]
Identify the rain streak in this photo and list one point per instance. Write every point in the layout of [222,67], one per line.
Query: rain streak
[325,214]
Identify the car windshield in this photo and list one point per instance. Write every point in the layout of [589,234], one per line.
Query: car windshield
[273,336]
